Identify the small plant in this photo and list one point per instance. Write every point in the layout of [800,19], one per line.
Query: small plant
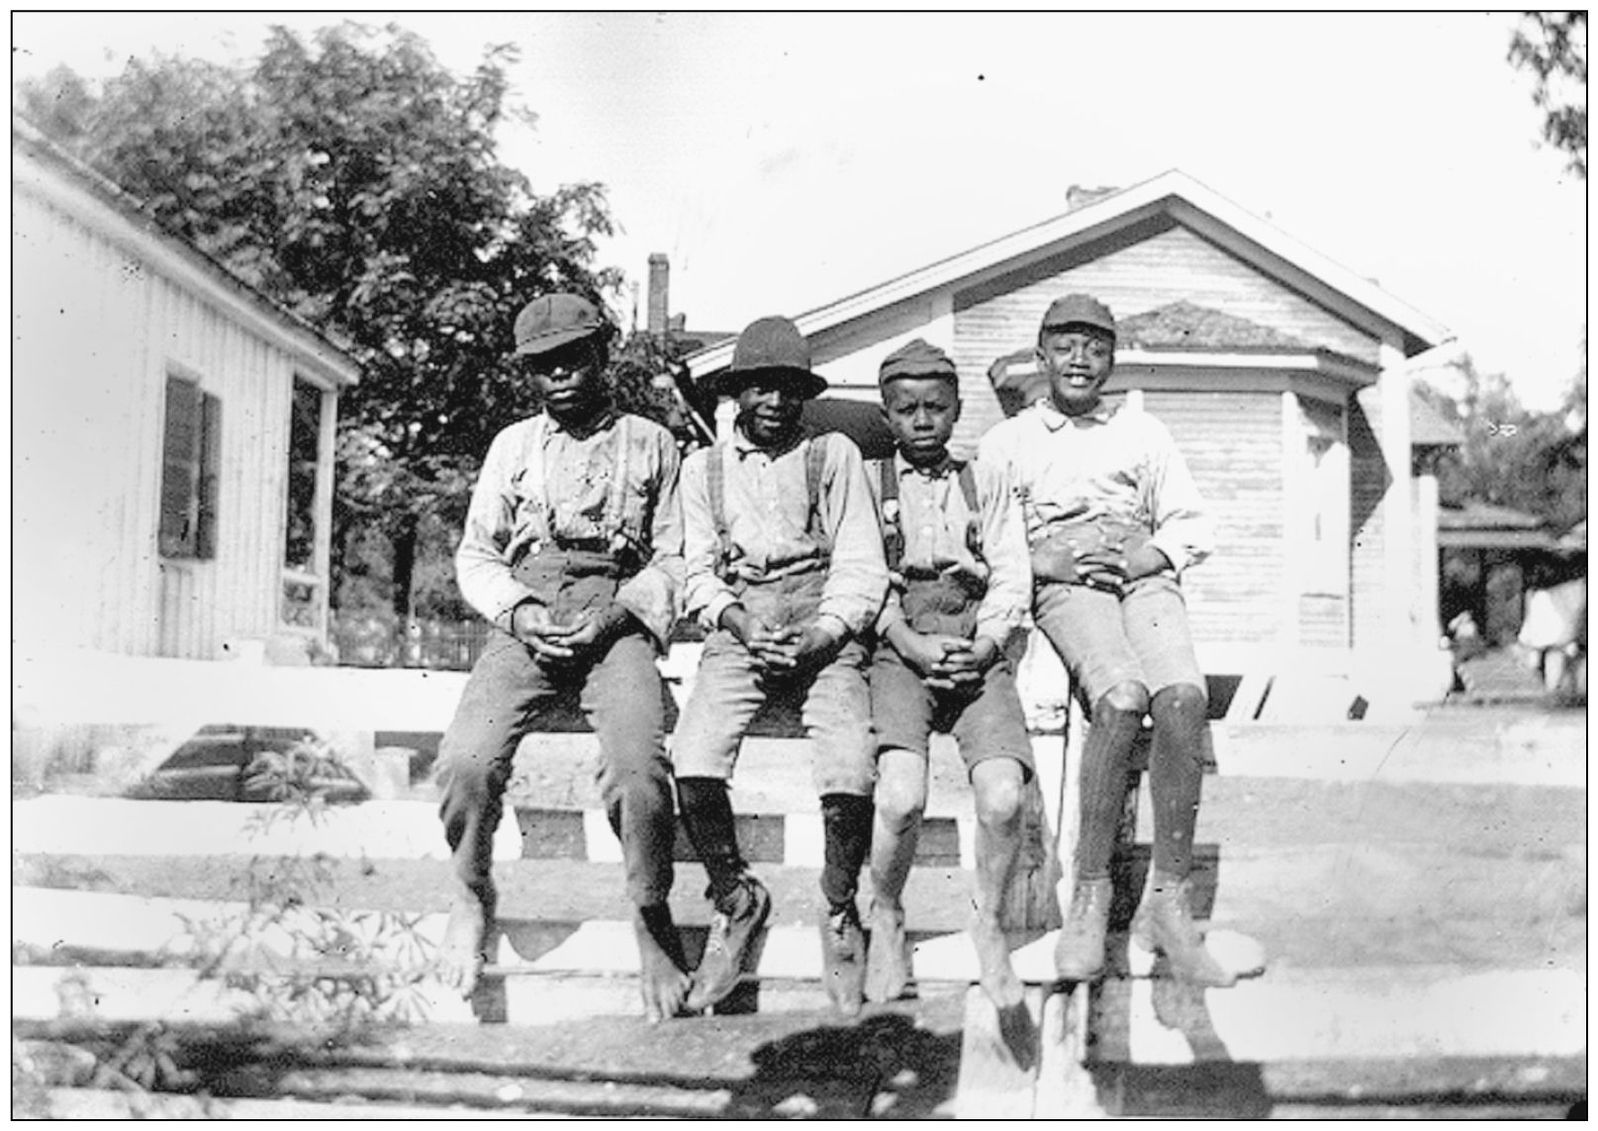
[340,973]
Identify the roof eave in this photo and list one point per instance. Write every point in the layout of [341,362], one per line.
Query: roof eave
[314,348]
[1300,265]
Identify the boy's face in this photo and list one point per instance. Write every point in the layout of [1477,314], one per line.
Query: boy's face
[921,412]
[1078,360]
[769,408]
[569,380]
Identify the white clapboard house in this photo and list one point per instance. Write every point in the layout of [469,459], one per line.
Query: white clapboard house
[172,435]
[1285,379]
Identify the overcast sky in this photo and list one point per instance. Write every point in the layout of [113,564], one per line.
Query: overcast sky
[783,161]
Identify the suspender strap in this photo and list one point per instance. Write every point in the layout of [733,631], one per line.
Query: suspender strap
[716,484]
[615,518]
[815,464]
[892,527]
[973,525]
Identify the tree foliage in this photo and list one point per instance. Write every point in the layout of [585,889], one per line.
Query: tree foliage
[1553,46]
[1512,457]
[354,180]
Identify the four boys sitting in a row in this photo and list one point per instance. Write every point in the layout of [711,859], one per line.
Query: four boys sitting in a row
[881,599]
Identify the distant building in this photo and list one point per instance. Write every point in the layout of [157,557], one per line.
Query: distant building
[172,435]
[1284,377]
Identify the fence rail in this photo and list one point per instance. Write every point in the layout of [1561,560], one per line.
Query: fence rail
[366,642]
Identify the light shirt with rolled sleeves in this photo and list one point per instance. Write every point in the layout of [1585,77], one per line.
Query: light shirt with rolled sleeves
[541,485]
[767,503]
[934,517]
[1118,463]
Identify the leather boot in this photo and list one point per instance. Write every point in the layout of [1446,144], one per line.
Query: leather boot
[1165,924]
[1079,953]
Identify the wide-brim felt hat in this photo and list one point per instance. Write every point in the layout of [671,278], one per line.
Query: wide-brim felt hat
[769,348]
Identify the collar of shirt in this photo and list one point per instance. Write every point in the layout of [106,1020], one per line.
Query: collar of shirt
[948,466]
[1054,420]
[603,421]
[744,446]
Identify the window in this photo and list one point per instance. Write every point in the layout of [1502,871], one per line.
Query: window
[304,589]
[305,439]
[1325,513]
[190,467]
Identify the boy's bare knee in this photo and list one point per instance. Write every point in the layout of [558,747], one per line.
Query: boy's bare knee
[1128,697]
[1181,699]
[997,784]
[901,793]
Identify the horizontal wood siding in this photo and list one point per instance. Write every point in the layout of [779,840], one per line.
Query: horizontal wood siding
[1322,621]
[96,333]
[1141,269]
[1371,480]
[1233,445]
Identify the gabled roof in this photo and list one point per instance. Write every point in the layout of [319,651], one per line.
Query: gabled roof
[1187,325]
[1187,201]
[98,201]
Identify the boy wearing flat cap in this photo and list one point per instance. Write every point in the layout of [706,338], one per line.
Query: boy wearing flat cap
[960,584]
[573,552]
[784,568]
[1113,519]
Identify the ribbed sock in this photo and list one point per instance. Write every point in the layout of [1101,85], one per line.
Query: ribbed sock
[707,815]
[846,821]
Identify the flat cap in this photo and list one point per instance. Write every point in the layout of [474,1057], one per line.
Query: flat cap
[551,321]
[1079,310]
[916,359]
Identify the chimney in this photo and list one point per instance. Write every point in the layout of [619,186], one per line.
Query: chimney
[1080,196]
[659,286]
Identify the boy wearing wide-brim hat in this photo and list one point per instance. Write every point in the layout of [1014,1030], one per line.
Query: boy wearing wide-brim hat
[784,567]
[960,586]
[1113,519]
[573,552]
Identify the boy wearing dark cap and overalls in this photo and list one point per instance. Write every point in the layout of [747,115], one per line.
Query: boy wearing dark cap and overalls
[573,552]
[1113,518]
[784,567]
[960,584]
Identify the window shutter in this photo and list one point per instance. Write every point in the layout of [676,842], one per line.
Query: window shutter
[210,463]
[180,464]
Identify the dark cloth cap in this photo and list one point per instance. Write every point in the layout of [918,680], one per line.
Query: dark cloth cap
[552,321]
[769,347]
[1079,310]
[916,359]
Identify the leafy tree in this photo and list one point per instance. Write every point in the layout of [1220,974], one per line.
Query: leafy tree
[1553,46]
[1532,462]
[355,181]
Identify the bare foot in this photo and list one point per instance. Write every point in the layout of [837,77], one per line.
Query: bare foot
[461,958]
[662,977]
[999,981]
[888,957]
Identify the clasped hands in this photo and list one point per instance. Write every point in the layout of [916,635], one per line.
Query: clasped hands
[780,651]
[1105,557]
[943,661]
[535,627]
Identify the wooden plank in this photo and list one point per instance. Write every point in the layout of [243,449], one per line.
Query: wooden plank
[1065,1088]
[999,1057]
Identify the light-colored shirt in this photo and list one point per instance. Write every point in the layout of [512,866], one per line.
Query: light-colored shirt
[1116,463]
[934,518]
[541,485]
[767,503]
